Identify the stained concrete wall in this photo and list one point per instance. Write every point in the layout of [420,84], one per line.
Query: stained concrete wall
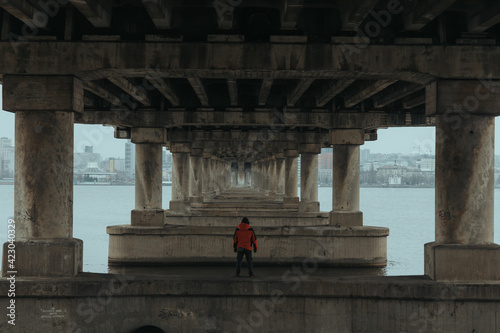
[107,303]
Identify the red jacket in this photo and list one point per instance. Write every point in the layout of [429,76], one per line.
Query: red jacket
[244,237]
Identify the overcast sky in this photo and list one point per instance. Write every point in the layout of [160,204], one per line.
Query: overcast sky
[408,140]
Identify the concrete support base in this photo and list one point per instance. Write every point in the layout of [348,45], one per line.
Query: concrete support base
[346,219]
[293,201]
[462,263]
[312,206]
[196,200]
[148,217]
[179,207]
[331,246]
[293,303]
[45,258]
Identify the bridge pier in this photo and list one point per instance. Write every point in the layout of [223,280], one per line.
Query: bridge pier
[463,249]
[43,204]
[180,178]
[309,180]
[345,175]
[195,177]
[148,176]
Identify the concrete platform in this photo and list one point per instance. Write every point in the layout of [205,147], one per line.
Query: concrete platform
[327,245]
[293,299]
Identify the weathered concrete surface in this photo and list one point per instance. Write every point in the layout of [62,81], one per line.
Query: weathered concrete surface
[148,185]
[309,183]
[354,246]
[180,182]
[345,174]
[463,263]
[295,301]
[464,179]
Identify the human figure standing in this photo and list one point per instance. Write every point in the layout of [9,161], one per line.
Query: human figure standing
[243,240]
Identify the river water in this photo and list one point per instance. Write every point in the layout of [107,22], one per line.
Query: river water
[407,212]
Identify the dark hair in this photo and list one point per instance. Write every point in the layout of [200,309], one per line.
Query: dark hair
[245,220]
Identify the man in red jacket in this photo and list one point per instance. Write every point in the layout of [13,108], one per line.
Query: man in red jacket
[243,240]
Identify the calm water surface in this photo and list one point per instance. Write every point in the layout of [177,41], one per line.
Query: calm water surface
[407,212]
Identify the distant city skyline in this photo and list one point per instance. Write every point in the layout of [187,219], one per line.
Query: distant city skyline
[406,140]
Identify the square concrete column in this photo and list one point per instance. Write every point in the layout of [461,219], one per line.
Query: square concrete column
[463,249]
[206,175]
[195,178]
[291,177]
[148,176]
[309,178]
[43,193]
[241,173]
[273,184]
[280,176]
[345,174]
[180,177]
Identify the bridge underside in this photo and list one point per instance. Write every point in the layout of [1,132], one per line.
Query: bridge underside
[241,92]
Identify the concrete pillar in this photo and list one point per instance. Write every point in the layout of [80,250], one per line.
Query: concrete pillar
[43,192]
[148,176]
[195,178]
[180,178]
[345,176]
[291,177]
[280,176]
[308,183]
[241,173]
[463,249]
[206,175]
[272,178]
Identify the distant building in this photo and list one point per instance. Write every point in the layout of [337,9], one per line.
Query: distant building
[427,164]
[7,158]
[364,156]
[130,160]
[83,159]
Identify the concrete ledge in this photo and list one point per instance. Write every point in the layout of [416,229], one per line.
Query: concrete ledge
[231,219]
[148,217]
[51,257]
[346,219]
[330,246]
[463,263]
[306,207]
[284,303]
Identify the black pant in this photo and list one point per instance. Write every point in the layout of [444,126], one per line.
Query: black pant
[239,258]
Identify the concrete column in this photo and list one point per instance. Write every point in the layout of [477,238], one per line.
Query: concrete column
[280,177]
[180,178]
[43,192]
[463,249]
[308,183]
[206,175]
[291,177]
[273,183]
[148,176]
[195,179]
[241,173]
[214,181]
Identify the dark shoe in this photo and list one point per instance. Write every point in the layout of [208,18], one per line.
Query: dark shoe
[251,275]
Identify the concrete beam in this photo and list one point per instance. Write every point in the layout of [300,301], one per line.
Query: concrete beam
[97,12]
[412,102]
[199,89]
[355,13]
[160,12]
[164,88]
[21,9]
[102,92]
[42,93]
[366,92]
[233,91]
[148,135]
[485,18]
[98,60]
[333,90]
[424,12]
[395,93]
[347,137]
[138,93]
[462,98]
[265,90]
[299,90]
[290,13]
